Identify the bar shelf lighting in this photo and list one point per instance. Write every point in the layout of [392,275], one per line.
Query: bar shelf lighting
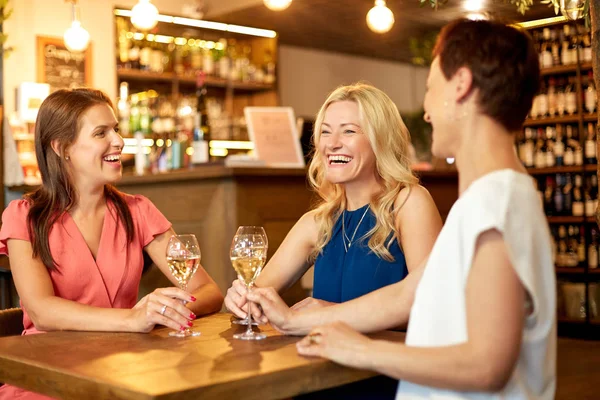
[219,26]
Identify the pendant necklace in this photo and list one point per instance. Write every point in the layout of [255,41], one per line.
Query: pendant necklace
[344,236]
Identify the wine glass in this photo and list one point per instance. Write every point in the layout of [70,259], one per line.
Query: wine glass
[248,255]
[183,259]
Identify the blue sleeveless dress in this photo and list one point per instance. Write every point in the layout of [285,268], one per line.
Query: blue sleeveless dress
[342,275]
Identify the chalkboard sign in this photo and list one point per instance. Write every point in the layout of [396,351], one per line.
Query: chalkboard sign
[61,68]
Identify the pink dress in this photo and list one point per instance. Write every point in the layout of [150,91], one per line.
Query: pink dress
[109,281]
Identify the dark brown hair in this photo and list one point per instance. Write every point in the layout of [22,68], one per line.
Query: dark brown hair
[503,62]
[59,118]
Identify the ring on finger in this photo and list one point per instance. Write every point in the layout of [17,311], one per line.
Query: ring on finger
[163,309]
[314,338]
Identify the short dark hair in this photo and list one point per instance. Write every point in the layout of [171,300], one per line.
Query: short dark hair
[503,62]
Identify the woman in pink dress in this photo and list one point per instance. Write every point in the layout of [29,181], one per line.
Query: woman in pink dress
[75,244]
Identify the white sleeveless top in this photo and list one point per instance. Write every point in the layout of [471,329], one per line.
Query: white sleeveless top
[507,201]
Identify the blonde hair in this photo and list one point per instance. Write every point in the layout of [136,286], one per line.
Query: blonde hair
[389,138]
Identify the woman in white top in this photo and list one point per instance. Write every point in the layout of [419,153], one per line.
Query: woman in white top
[482,309]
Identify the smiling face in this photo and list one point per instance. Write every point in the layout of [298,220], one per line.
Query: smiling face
[343,145]
[95,156]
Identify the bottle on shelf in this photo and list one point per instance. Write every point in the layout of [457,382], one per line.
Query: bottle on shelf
[526,148]
[552,101]
[590,144]
[546,47]
[540,150]
[581,249]
[559,147]
[201,123]
[548,196]
[558,196]
[592,255]
[567,195]
[561,247]
[572,258]
[577,207]
[590,95]
[591,195]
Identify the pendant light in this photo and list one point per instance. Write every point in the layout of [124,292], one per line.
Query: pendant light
[380,19]
[76,38]
[144,15]
[277,5]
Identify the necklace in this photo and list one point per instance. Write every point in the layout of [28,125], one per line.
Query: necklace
[344,236]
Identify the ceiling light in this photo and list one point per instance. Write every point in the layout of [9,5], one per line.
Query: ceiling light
[475,16]
[572,9]
[473,5]
[144,15]
[380,19]
[76,38]
[277,5]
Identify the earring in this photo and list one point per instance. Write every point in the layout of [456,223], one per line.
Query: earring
[67,158]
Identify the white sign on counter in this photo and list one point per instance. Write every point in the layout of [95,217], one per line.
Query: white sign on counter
[275,135]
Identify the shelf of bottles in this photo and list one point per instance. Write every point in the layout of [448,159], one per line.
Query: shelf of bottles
[182,92]
[558,148]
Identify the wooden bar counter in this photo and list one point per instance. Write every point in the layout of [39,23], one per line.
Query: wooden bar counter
[94,365]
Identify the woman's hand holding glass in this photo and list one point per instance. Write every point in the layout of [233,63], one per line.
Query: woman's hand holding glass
[236,303]
[183,259]
[149,310]
[248,256]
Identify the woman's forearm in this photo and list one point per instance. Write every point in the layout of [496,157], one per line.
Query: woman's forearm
[385,308]
[54,314]
[456,367]
[209,299]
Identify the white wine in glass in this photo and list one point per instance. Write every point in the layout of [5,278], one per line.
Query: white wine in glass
[248,256]
[183,259]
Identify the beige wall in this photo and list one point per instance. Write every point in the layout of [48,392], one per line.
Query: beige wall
[306,75]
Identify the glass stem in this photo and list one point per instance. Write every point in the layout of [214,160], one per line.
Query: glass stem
[249,315]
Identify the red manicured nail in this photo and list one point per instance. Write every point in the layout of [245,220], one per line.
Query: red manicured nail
[193,298]
[190,323]
[182,328]
[192,315]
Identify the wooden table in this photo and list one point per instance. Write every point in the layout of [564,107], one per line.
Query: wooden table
[93,365]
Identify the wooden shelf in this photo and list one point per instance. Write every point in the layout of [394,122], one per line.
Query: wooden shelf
[566,320]
[569,270]
[565,219]
[564,169]
[133,74]
[590,117]
[566,119]
[564,69]
[595,321]
[559,69]
[595,271]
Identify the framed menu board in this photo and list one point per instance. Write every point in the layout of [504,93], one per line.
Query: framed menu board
[275,135]
[61,68]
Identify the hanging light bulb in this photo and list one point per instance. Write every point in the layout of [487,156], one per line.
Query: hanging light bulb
[144,15]
[380,19]
[277,5]
[76,38]
[572,9]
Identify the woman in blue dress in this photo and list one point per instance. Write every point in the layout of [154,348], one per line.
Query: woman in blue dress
[374,223]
